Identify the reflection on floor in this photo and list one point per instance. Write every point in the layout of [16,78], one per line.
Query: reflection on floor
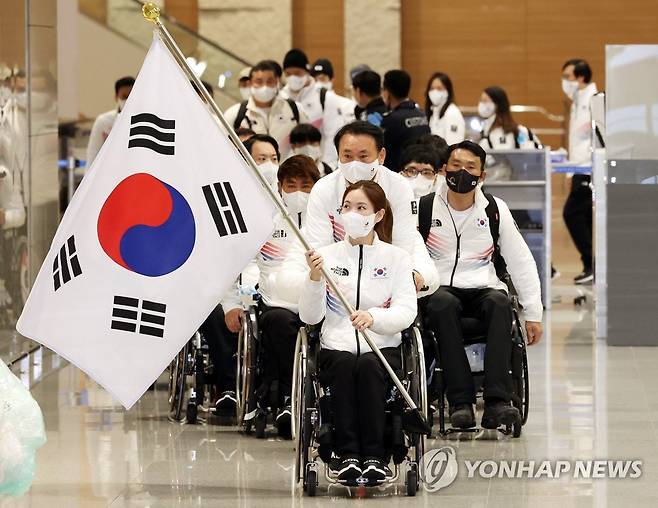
[588,401]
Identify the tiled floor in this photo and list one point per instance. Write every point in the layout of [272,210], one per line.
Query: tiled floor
[588,401]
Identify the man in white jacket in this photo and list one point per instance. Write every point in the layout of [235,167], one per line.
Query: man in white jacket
[277,309]
[325,109]
[361,157]
[579,88]
[461,242]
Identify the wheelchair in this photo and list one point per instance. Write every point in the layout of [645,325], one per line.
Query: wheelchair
[475,333]
[190,382]
[257,398]
[311,416]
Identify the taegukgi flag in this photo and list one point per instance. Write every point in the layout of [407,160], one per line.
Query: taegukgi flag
[167,217]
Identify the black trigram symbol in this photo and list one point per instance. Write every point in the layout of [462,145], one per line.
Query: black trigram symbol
[129,316]
[224,208]
[152,132]
[66,264]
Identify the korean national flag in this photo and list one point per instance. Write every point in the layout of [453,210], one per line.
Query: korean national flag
[167,217]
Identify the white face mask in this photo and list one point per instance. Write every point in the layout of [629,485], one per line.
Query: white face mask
[486,109]
[269,170]
[421,185]
[324,84]
[295,201]
[264,93]
[245,92]
[121,103]
[569,87]
[357,170]
[357,225]
[296,83]
[312,151]
[438,97]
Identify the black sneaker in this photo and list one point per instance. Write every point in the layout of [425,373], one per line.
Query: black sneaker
[584,278]
[462,416]
[226,404]
[374,470]
[499,412]
[283,420]
[349,469]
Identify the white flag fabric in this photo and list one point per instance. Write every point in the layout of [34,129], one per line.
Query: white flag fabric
[167,217]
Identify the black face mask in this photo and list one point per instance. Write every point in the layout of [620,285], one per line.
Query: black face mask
[461,181]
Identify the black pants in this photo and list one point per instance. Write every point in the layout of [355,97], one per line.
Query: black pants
[222,348]
[359,386]
[443,312]
[577,215]
[279,328]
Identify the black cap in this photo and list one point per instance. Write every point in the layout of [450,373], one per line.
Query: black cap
[295,58]
[322,66]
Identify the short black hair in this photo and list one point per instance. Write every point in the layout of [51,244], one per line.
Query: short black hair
[125,81]
[305,133]
[244,131]
[470,146]
[266,65]
[369,82]
[580,68]
[436,143]
[361,128]
[262,138]
[422,154]
[398,83]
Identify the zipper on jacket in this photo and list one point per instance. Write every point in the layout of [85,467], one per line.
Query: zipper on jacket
[299,219]
[358,298]
[454,268]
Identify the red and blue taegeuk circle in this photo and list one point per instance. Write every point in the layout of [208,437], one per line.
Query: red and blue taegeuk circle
[146,226]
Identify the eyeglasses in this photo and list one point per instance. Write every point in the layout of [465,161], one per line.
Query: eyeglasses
[413,173]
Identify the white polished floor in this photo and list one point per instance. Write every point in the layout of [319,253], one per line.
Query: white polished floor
[588,401]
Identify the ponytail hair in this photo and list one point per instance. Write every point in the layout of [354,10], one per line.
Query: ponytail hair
[377,198]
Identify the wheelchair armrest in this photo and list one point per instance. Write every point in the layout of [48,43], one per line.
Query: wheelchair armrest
[408,334]
[313,332]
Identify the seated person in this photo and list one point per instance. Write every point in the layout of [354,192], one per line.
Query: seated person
[460,241]
[385,305]
[277,311]
[422,165]
[306,139]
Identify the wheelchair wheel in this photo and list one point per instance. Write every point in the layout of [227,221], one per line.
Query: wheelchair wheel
[311,483]
[412,481]
[246,369]
[304,420]
[418,387]
[177,384]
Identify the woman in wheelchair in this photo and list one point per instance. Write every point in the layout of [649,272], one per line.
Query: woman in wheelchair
[376,277]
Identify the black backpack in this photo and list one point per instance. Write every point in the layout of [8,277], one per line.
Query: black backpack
[242,113]
[425,224]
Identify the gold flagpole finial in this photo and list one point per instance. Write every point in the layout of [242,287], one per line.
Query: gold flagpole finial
[151,11]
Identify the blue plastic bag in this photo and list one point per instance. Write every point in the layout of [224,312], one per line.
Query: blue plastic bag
[21,433]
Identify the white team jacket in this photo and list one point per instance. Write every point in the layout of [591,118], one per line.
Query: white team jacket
[99,133]
[278,123]
[323,224]
[497,139]
[464,258]
[269,262]
[450,126]
[580,125]
[338,111]
[377,278]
